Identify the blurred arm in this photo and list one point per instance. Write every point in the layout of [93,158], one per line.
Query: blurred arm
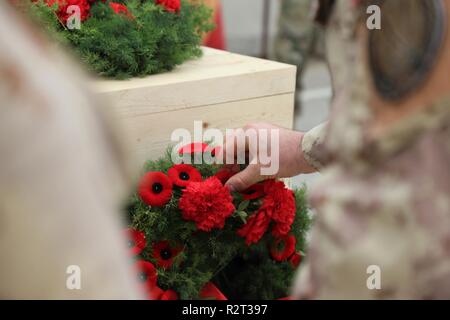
[62,177]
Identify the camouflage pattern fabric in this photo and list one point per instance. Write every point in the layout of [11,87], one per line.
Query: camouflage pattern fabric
[382,201]
[297,34]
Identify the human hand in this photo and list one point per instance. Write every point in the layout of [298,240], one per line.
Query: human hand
[280,146]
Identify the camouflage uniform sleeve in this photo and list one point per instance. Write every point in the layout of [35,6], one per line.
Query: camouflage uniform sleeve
[312,146]
[364,242]
[368,244]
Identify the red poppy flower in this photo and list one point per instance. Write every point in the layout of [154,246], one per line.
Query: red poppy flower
[207,203]
[253,192]
[147,275]
[155,189]
[136,241]
[224,175]
[169,295]
[119,8]
[183,174]
[295,260]
[170,5]
[283,248]
[164,254]
[193,148]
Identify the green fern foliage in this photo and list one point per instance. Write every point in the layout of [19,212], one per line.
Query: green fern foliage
[115,46]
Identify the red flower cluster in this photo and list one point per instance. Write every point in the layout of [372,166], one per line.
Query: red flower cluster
[119,8]
[146,271]
[207,203]
[63,5]
[281,202]
[155,188]
[85,7]
[170,5]
[278,207]
[255,227]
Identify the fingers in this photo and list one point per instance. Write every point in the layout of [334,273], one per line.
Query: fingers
[245,178]
[235,147]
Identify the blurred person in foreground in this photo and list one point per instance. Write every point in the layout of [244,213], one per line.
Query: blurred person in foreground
[383,200]
[62,177]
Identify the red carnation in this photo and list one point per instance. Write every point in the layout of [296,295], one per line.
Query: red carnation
[64,4]
[255,227]
[120,9]
[278,206]
[147,275]
[295,260]
[207,203]
[280,201]
[170,5]
[164,254]
[183,174]
[155,189]
[136,241]
[254,192]
[283,248]
[224,175]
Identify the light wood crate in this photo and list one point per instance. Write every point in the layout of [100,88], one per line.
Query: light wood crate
[222,89]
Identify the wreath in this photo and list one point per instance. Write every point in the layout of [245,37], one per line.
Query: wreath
[126,38]
[192,238]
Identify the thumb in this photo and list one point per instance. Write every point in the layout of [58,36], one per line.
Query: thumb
[244,179]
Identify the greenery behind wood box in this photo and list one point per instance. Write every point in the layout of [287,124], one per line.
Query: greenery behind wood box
[115,46]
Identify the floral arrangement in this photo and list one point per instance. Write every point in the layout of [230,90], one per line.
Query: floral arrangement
[194,239]
[126,38]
